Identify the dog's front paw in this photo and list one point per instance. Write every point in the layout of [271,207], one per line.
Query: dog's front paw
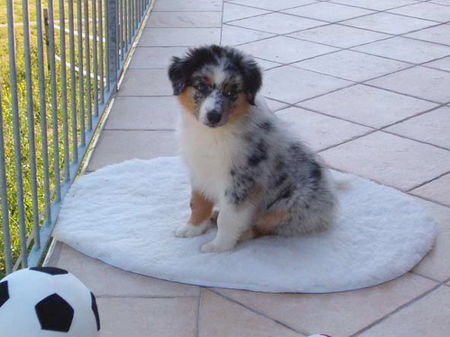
[189,231]
[215,246]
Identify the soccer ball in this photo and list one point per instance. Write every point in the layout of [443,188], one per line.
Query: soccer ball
[47,302]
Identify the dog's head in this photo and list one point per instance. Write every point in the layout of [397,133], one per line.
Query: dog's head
[215,83]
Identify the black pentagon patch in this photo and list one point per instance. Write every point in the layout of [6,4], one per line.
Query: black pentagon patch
[50,270]
[54,313]
[4,293]
[95,310]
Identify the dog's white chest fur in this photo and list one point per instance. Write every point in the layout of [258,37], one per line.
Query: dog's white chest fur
[209,154]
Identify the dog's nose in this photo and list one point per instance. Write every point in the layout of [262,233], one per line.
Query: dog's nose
[213,116]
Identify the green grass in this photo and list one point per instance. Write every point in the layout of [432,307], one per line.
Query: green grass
[38,111]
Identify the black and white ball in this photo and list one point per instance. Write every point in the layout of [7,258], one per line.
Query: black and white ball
[47,302]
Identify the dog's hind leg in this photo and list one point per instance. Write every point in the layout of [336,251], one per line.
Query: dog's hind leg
[199,222]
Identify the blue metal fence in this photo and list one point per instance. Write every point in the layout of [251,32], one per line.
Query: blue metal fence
[63,66]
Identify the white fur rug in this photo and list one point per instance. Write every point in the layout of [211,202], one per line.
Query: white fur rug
[126,214]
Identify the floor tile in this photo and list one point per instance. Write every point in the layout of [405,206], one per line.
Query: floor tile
[378,5]
[188,5]
[339,36]
[351,65]
[222,318]
[389,23]
[425,10]
[426,317]
[143,113]
[390,160]
[443,64]
[167,37]
[283,49]
[235,12]
[368,106]
[432,127]
[185,19]
[328,11]
[433,84]
[438,34]
[435,264]
[275,105]
[232,35]
[277,23]
[408,50]
[291,85]
[93,274]
[155,57]
[319,131]
[117,146]
[138,317]
[272,5]
[264,64]
[145,82]
[438,190]
[327,312]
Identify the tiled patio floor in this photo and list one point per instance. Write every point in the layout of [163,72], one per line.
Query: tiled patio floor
[366,83]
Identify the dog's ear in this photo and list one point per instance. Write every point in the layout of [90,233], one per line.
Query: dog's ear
[252,79]
[178,75]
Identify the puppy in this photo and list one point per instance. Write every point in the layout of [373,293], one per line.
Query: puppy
[241,157]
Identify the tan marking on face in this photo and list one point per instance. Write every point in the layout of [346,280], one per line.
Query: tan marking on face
[186,99]
[240,108]
[201,208]
[266,222]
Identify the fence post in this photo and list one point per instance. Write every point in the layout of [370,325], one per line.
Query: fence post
[112,49]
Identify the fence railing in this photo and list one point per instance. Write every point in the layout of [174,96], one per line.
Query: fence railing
[59,66]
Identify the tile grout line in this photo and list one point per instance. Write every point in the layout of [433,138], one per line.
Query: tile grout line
[428,181]
[424,276]
[143,296]
[426,199]
[417,140]
[256,311]
[199,305]
[403,306]
[221,23]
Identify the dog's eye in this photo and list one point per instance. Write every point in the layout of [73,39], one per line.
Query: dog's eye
[201,87]
[230,92]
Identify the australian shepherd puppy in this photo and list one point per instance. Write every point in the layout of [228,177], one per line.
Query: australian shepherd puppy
[242,159]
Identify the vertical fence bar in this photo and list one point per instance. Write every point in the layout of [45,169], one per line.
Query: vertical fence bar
[88,62]
[62,47]
[43,110]
[102,60]
[4,197]
[130,34]
[81,73]
[73,84]
[16,127]
[120,23]
[56,167]
[30,118]
[112,44]
[125,15]
[95,58]
[133,16]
